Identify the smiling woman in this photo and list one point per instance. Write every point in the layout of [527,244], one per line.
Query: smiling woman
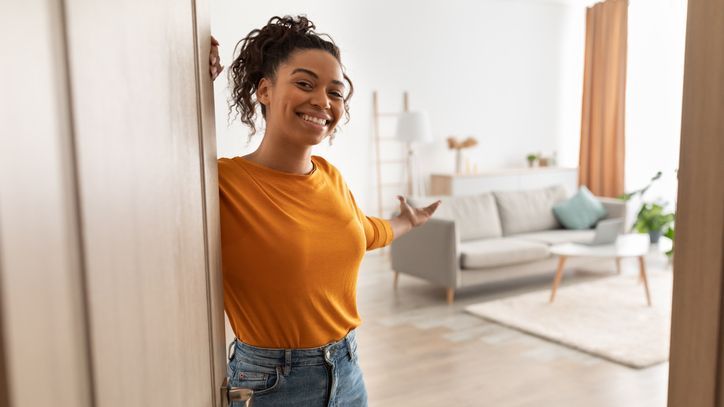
[292,235]
[308,86]
[263,51]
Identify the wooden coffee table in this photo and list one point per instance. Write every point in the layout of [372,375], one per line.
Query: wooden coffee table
[630,245]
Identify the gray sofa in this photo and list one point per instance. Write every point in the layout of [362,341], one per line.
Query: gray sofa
[487,238]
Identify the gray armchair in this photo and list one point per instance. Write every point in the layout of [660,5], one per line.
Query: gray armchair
[449,249]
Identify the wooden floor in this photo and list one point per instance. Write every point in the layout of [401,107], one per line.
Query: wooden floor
[415,350]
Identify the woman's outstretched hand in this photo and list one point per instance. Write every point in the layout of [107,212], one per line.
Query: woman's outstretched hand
[416,216]
[215,66]
[410,217]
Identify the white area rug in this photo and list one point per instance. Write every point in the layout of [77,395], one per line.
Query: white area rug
[608,318]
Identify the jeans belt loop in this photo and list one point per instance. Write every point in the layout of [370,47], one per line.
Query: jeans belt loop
[287,361]
[231,350]
[352,355]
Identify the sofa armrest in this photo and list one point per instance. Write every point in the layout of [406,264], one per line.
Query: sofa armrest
[615,208]
[429,252]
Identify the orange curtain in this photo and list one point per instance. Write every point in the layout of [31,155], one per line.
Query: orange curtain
[601,159]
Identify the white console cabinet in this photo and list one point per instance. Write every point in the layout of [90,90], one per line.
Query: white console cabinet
[504,180]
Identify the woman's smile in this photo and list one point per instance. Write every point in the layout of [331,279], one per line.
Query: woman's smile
[316,122]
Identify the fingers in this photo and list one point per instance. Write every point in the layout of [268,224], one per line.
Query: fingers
[430,209]
[215,66]
[215,70]
[214,56]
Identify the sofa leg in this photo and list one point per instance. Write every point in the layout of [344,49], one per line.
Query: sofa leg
[450,295]
[396,278]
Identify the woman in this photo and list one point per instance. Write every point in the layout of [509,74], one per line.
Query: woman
[292,235]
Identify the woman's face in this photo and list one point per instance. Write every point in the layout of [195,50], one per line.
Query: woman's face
[306,101]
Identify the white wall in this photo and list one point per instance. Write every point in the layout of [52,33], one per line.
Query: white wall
[507,72]
[656,39]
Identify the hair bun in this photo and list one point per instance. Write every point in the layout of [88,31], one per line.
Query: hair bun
[299,24]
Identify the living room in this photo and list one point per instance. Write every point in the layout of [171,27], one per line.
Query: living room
[511,76]
[114,236]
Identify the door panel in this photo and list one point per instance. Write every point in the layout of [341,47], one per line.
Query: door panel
[133,80]
[43,335]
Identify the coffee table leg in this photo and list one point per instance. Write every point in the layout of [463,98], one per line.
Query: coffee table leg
[557,279]
[618,265]
[644,278]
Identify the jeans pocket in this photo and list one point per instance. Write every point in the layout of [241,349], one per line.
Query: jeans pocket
[260,379]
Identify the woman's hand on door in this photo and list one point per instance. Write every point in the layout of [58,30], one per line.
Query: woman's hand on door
[215,66]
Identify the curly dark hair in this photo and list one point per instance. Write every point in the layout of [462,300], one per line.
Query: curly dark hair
[260,54]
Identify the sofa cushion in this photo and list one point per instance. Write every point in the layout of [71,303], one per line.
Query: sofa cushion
[528,211]
[559,236]
[478,254]
[581,211]
[475,216]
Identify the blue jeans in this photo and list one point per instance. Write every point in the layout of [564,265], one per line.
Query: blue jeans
[313,377]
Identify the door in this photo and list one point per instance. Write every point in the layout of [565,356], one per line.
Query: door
[110,284]
[42,313]
[696,375]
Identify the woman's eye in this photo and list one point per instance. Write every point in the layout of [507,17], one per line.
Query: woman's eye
[337,95]
[304,85]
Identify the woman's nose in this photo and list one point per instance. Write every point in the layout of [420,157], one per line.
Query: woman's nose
[320,99]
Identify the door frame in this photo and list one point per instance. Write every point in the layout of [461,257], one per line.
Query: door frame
[210,186]
[696,376]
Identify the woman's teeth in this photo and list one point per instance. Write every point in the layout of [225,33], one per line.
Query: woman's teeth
[314,120]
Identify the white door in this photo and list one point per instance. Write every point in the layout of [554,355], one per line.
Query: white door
[110,283]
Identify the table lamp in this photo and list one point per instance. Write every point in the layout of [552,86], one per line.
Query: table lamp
[413,127]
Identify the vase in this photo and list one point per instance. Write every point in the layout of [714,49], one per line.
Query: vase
[654,235]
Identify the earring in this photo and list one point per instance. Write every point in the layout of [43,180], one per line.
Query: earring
[332,135]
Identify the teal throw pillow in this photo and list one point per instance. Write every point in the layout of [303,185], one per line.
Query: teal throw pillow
[581,211]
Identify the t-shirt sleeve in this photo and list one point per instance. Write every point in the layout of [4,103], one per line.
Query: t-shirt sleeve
[378,231]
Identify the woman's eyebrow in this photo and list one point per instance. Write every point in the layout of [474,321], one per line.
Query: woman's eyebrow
[315,76]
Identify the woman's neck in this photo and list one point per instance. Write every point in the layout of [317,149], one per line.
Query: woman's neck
[283,157]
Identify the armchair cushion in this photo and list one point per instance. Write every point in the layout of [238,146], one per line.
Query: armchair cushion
[475,216]
[558,236]
[486,253]
[529,211]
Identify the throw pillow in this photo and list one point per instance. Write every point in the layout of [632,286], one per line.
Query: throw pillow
[581,211]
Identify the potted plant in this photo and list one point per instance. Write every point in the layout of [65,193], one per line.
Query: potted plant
[670,234]
[531,159]
[640,192]
[652,219]
[458,145]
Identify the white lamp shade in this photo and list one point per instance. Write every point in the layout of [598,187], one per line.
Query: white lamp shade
[414,127]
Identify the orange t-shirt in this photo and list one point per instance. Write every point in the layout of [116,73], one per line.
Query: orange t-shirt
[291,246]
